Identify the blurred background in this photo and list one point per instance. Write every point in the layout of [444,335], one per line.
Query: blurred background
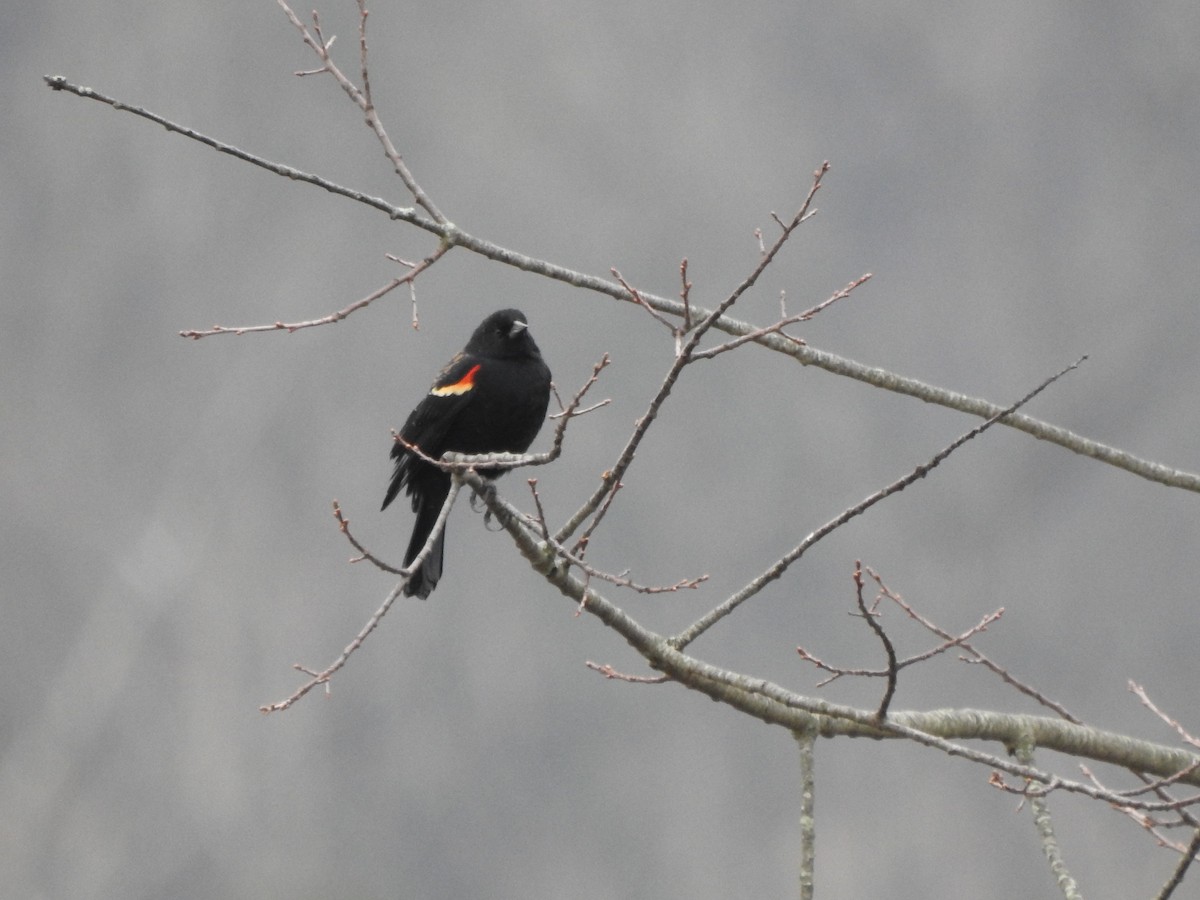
[1020,179]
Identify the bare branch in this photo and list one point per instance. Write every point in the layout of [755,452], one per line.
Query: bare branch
[776,705]
[364,553]
[1045,828]
[601,498]
[575,558]
[571,410]
[803,354]
[783,322]
[362,53]
[324,676]
[1183,733]
[951,642]
[685,293]
[362,99]
[1157,785]
[777,569]
[541,513]
[805,742]
[59,83]
[1176,879]
[869,616]
[976,656]
[634,296]
[608,497]
[609,672]
[290,327]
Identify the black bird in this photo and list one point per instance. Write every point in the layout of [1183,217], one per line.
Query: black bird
[490,398]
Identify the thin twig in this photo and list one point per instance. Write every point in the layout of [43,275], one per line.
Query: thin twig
[1158,785]
[685,293]
[950,643]
[1176,879]
[889,649]
[541,513]
[1183,733]
[783,322]
[596,506]
[324,676]
[777,569]
[290,327]
[609,672]
[362,54]
[363,101]
[406,214]
[976,657]
[575,558]
[364,553]
[635,297]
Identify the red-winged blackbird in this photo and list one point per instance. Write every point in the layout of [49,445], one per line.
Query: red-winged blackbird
[491,398]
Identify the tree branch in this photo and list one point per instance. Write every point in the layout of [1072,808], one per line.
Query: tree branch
[805,741]
[777,569]
[778,706]
[802,353]
[1045,828]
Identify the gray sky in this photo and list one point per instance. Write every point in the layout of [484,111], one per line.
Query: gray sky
[1021,180]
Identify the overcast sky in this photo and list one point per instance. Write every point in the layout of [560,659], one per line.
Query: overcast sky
[1021,180]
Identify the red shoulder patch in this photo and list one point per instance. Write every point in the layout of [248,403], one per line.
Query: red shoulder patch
[461,386]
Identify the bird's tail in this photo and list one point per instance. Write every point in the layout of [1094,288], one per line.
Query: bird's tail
[425,579]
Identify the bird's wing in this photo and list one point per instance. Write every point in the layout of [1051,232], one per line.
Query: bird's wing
[428,424]
[451,391]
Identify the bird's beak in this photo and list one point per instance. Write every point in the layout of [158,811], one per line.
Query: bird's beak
[517,327]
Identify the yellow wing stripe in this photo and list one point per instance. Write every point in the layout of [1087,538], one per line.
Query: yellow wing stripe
[461,386]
